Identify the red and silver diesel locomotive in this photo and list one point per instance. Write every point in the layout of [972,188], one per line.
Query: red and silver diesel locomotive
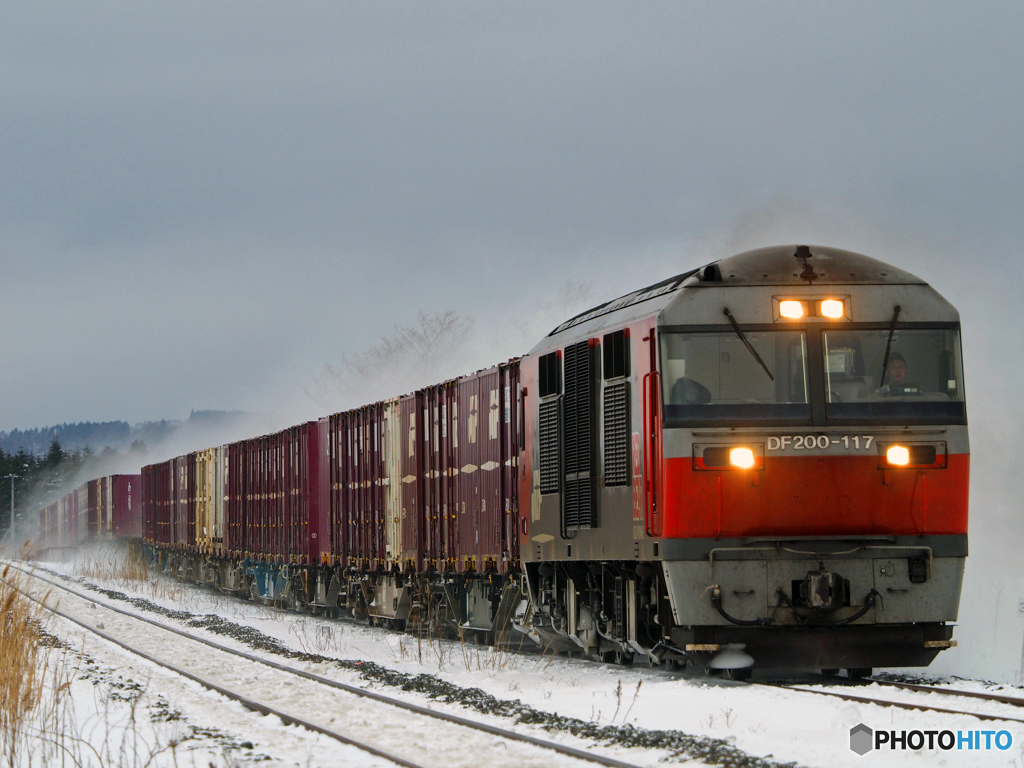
[763,462]
[769,451]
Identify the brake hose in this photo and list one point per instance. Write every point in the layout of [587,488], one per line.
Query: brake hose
[716,600]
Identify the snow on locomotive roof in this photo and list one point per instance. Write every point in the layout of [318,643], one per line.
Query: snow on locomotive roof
[774,265]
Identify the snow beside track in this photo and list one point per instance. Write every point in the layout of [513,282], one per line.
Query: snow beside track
[760,720]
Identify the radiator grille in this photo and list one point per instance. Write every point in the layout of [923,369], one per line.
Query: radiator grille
[616,434]
[548,429]
[578,428]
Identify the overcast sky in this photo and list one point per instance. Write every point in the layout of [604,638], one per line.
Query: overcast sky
[201,204]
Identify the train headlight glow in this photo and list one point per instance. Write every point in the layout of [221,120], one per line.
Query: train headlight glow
[832,308]
[791,309]
[898,456]
[741,457]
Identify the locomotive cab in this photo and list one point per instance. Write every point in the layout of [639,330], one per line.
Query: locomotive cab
[769,451]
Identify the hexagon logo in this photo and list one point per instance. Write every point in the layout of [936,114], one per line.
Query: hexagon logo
[861,739]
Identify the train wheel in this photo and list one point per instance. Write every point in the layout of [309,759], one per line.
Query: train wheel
[829,673]
[859,673]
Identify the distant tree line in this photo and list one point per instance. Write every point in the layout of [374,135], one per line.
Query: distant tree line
[115,434]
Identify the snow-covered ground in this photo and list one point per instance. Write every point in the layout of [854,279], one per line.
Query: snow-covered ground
[186,725]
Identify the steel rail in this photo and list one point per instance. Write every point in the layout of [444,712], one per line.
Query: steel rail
[1015,701]
[493,730]
[246,702]
[889,703]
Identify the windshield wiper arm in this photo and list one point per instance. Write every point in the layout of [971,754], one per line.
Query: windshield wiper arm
[749,346]
[888,344]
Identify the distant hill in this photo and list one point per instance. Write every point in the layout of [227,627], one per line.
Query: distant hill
[117,435]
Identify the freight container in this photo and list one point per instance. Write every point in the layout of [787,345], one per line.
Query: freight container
[413,485]
[236,531]
[124,511]
[511,445]
[207,474]
[392,481]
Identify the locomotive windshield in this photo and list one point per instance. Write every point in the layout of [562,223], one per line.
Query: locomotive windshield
[916,375]
[715,377]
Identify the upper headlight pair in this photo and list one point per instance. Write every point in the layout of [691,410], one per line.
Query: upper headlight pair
[794,309]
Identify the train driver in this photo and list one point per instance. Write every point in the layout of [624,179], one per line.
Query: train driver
[896,378]
[897,371]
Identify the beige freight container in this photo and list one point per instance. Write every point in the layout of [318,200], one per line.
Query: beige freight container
[210,500]
[393,482]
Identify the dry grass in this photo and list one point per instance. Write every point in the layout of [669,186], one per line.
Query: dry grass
[38,725]
[123,565]
[35,676]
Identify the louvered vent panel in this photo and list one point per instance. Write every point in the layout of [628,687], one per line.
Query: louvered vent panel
[578,420]
[616,434]
[579,503]
[571,449]
[548,429]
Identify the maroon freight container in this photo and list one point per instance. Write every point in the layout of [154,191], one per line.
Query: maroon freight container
[357,490]
[264,504]
[413,450]
[440,462]
[511,444]
[342,520]
[235,525]
[257,524]
[179,502]
[487,449]
[49,530]
[319,478]
[79,526]
[278,471]
[296,510]
[124,495]
[308,496]
[273,493]
[298,494]
[433,540]
[479,519]
[449,476]
[165,502]
[148,499]
[93,509]
[367,472]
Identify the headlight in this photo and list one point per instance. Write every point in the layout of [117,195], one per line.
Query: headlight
[741,457]
[832,308]
[791,309]
[898,455]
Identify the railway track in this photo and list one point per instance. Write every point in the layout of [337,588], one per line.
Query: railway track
[428,737]
[1015,701]
[912,705]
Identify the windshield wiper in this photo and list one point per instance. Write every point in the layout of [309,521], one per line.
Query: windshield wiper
[888,344]
[749,346]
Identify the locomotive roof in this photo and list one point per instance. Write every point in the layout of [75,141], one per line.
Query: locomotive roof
[775,265]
